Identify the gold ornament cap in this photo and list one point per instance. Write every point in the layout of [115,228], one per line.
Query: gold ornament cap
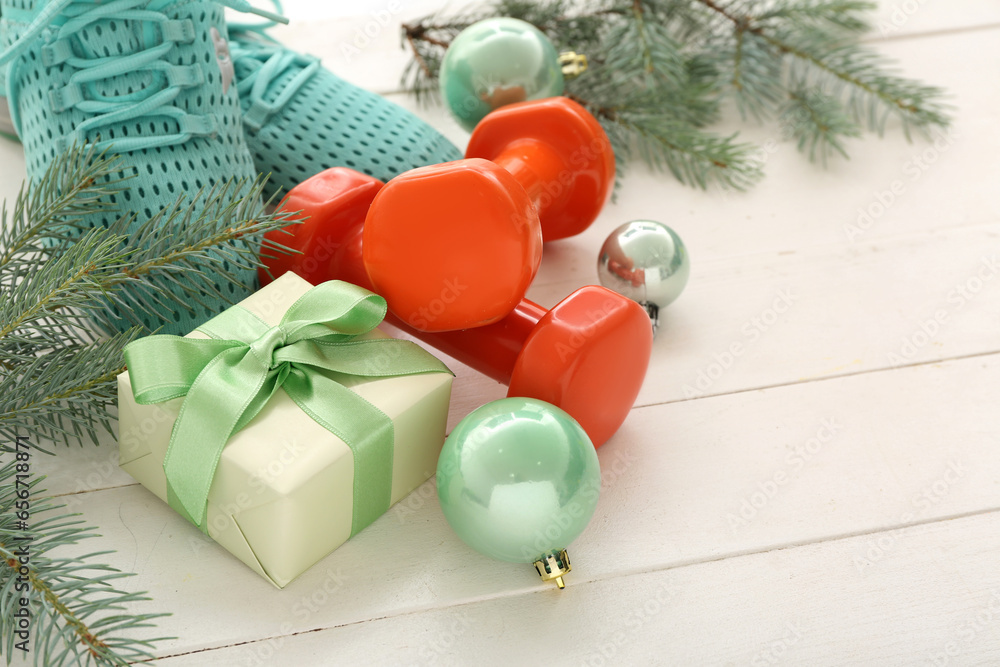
[573,64]
[553,566]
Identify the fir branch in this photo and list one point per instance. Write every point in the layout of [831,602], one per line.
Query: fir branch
[873,92]
[78,615]
[818,123]
[71,281]
[58,375]
[657,52]
[50,210]
[63,296]
[665,67]
[219,233]
[756,75]
[77,398]
[428,38]
[845,16]
[693,157]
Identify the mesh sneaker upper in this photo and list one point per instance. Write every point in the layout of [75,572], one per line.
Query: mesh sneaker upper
[151,86]
[301,119]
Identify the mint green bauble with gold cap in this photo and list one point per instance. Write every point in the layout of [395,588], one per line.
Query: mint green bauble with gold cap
[518,480]
[496,62]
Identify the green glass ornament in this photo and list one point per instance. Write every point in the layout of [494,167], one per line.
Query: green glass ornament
[496,62]
[647,262]
[518,480]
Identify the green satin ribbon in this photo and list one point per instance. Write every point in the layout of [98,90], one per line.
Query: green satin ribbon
[228,379]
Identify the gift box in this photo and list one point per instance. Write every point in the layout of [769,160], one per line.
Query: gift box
[286,424]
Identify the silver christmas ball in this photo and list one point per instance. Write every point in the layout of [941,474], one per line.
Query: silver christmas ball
[647,262]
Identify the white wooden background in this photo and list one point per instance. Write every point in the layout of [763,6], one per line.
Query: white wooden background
[827,496]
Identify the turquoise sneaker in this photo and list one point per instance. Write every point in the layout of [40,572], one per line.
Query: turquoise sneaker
[299,118]
[151,79]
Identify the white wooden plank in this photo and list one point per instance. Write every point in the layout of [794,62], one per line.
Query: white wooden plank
[934,599]
[782,317]
[895,19]
[684,483]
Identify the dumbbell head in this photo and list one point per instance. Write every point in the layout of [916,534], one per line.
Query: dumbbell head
[333,202]
[589,356]
[452,246]
[580,162]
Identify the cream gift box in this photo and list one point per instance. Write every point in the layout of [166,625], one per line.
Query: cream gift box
[282,495]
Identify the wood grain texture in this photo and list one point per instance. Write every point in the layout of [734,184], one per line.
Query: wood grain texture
[936,600]
[683,483]
[814,500]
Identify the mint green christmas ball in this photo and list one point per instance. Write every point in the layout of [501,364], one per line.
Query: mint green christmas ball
[517,479]
[496,62]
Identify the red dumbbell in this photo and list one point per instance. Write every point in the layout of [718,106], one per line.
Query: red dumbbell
[553,149]
[435,249]
[588,355]
[567,165]
[427,229]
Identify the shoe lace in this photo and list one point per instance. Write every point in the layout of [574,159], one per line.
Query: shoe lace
[251,41]
[156,99]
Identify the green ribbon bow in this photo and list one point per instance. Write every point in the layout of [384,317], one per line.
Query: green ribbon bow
[231,376]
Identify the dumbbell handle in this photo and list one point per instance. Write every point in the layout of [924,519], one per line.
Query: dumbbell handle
[493,349]
[588,355]
[535,166]
[558,153]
